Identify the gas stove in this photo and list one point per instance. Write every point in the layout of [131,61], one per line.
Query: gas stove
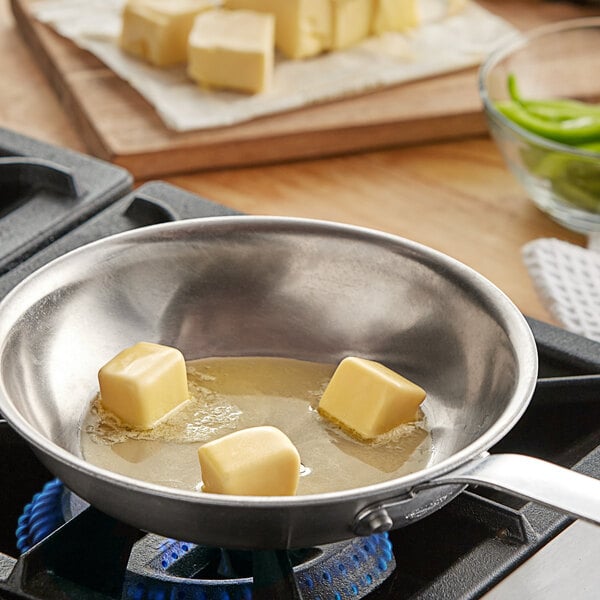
[483,544]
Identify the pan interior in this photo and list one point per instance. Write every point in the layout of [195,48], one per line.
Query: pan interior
[263,287]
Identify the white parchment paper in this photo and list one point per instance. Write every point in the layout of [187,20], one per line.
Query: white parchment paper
[448,40]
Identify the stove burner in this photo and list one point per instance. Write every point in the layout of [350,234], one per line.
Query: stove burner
[159,567]
[41,516]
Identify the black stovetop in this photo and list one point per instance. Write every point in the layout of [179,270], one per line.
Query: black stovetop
[53,201]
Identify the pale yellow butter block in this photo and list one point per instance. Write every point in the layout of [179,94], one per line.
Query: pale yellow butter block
[456,6]
[367,399]
[258,461]
[303,28]
[157,30]
[232,50]
[351,22]
[143,383]
[395,15]
[263,6]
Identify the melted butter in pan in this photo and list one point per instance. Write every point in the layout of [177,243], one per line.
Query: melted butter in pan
[228,394]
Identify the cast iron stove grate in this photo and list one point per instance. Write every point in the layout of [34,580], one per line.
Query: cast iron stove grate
[461,551]
[46,191]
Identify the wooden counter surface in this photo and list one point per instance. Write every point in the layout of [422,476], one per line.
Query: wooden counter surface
[456,197]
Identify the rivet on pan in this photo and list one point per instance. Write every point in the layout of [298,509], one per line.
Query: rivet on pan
[378,521]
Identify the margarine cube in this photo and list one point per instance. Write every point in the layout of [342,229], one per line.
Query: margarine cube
[351,22]
[143,383]
[303,28]
[258,461]
[367,399]
[157,30]
[394,15]
[233,50]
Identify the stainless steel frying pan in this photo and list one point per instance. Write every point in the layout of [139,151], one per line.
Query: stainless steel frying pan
[281,287]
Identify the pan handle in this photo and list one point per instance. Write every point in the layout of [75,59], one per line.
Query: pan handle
[531,478]
[534,479]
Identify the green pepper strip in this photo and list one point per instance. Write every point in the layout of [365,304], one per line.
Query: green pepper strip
[575,179]
[554,109]
[580,197]
[571,131]
[559,110]
[582,173]
[593,147]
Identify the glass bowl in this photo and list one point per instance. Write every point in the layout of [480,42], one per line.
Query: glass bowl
[557,61]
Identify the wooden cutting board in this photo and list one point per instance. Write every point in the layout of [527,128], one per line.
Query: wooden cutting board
[118,125]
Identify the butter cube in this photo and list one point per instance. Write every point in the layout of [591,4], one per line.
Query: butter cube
[394,15]
[232,50]
[258,461]
[367,399]
[303,28]
[157,30]
[143,383]
[351,22]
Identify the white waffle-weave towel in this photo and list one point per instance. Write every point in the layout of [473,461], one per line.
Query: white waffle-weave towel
[567,278]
